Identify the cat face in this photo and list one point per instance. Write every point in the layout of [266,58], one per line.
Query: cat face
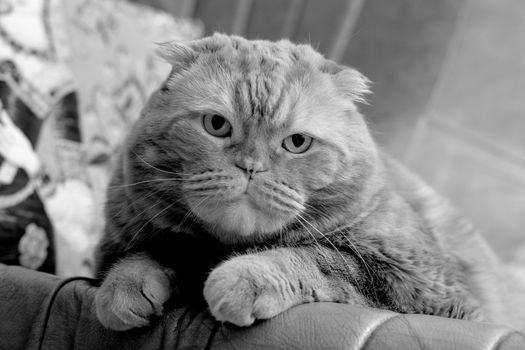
[251,137]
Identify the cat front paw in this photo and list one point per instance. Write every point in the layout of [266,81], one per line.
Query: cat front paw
[244,289]
[128,299]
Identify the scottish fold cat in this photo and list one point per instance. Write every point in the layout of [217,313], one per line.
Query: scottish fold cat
[251,183]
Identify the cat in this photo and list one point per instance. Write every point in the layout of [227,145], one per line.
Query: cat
[251,184]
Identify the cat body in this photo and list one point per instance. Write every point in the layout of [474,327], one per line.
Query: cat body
[251,183]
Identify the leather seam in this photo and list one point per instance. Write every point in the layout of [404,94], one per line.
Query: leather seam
[501,339]
[362,344]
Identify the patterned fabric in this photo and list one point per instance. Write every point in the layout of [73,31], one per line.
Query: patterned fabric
[74,75]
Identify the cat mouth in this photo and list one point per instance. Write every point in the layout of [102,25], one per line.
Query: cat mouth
[245,198]
[249,198]
[248,187]
[249,201]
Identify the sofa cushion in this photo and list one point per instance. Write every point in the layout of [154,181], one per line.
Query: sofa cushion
[48,313]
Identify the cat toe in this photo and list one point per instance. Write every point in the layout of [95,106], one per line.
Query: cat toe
[123,305]
[238,294]
[230,301]
[118,316]
[267,306]
[120,312]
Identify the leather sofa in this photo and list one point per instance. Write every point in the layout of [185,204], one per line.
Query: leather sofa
[42,311]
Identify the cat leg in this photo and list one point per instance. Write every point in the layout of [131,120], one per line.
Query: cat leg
[134,289]
[263,284]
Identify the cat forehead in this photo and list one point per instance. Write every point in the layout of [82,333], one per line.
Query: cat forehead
[284,101]
[280,84]
[265,78]
[255,53]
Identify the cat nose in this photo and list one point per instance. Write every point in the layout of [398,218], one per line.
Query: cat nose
[251,166]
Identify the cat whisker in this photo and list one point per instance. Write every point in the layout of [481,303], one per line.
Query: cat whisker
[214,227]
[352,246]
[316,242]
[287,204]
[169,179]
[284,190]
[368,269]
[145,181]
[205,189]
[190,212]
[135,235]
[210,175]
[150,194]
[338,229]
[158,169]
[153,218]
[371,272]
[329,241]
[197,209]
[321,213]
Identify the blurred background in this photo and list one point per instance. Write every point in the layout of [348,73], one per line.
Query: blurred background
[448,80]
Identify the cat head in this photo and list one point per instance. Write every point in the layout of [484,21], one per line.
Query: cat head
[246,138]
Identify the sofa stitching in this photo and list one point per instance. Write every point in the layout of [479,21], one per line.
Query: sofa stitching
[501,339]
[368,334]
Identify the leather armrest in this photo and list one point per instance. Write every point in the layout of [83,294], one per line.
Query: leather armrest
[26,299]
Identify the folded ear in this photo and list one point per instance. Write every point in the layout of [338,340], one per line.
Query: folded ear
[177,54]
[348,81]
[353,84]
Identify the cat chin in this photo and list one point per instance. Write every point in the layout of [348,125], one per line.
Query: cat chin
[240,220]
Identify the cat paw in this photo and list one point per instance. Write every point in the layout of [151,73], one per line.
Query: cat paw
[126,301]
[243,289]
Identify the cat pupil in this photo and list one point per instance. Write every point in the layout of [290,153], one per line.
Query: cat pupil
[297,140]
[217,122]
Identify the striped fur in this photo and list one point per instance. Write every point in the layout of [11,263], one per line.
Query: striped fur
[341,222]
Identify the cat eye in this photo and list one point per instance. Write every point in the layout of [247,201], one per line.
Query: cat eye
[297,143]
[216,125]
